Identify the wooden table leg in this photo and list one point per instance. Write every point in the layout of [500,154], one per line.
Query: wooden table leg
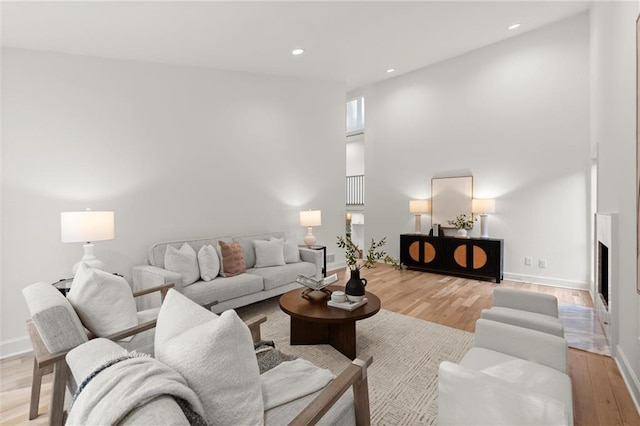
[343,338]
[308,333]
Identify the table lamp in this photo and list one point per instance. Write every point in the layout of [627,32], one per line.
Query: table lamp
[310,218]
[86,226]
[482,207]
[419,207]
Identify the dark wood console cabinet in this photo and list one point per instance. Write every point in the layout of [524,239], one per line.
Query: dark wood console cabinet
[466,257]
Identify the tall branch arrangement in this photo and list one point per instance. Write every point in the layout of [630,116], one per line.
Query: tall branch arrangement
[374,254]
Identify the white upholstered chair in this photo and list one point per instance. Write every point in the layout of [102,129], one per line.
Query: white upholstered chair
[536,311]
[55,328]
[511,376]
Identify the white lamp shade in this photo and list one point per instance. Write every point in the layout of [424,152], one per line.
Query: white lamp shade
[486,205]
[419,206]
[86,226]
[310,218]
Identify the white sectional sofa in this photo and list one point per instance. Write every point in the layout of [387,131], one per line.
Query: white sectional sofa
[512,376]
[224,293]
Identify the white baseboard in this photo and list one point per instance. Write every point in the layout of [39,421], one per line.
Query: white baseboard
[13,347]
[550,281]
[628,375]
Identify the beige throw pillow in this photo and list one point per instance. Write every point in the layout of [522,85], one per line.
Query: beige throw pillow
[209,262]
[104,302]
[215,355]
[231,259]
[183,262]
[269,253]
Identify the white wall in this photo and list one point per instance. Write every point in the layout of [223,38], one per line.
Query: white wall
[515,114]
[176,152]
[613,127]
[355,155]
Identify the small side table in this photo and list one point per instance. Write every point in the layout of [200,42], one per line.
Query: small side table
[324,255]
[63,285]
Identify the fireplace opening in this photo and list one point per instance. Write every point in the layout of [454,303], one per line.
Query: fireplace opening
[603,273]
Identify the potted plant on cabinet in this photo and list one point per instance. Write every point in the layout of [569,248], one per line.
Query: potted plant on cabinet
[463,224]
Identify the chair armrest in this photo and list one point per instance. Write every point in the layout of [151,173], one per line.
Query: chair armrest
[128,332]
[254,327]
[354,375]
[146,277]
[523,343]
[163,289]
[313,256]
[469,397]
[526,301]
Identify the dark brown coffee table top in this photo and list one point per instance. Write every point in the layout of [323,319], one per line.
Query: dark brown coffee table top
[314,308]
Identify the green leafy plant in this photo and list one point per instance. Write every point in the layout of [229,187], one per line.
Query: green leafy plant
[374,254]
[463,222]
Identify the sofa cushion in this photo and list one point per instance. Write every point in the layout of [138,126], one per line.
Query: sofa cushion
[157,251]
[291,250]
[222,288]
[276,276]
[529,375]
[209,262]
[216,357]
[269,253]
[248,249]
[183,262]
[103,301]
[231,259]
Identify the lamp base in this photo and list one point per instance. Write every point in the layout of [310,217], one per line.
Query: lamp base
[418,229]
[89,258]
[484,226]
[309,239]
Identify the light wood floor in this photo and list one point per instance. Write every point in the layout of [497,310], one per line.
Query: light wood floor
[599,394]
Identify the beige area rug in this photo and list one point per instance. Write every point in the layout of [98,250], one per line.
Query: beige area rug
[403,379]
[582,329]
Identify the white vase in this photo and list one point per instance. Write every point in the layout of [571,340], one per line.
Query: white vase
[462,232]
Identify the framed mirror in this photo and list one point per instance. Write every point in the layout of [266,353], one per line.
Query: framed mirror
[450,197]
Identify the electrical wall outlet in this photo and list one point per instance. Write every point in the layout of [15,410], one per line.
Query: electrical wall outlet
[542,263]
[528,261]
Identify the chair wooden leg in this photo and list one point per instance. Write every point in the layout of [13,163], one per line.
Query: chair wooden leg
[361,402]
[56,409]
[36,384]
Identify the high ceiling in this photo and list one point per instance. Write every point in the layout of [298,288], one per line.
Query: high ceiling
[350,42]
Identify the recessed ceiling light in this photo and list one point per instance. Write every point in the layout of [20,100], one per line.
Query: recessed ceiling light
[514,26]
[391,70]
[297,52]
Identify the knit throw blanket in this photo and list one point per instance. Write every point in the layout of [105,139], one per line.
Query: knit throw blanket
[124,383]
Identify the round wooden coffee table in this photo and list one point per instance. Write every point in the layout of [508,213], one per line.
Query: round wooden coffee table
[314,323]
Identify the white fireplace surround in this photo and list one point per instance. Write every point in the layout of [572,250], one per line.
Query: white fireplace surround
[606,228]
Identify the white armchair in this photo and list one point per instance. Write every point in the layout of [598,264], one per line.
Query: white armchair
[512,375]
[55,328]
[536,311]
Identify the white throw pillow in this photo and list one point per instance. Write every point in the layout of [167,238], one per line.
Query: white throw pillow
[291,250]
[104,301]
[215,355]
[209,262]
[269,253]
[184,262]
